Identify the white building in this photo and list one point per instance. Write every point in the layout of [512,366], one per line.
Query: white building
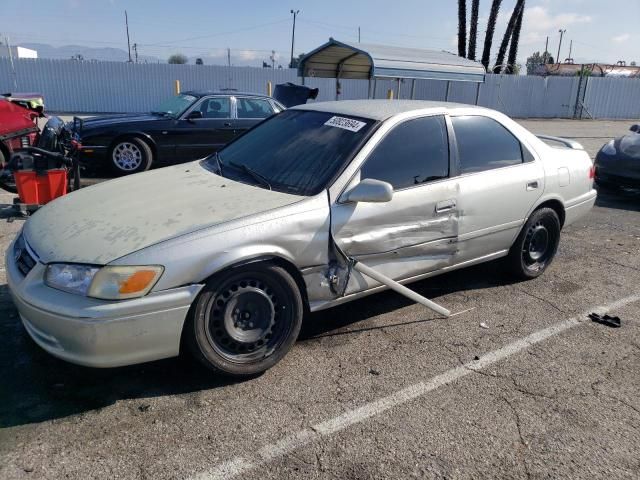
[18,52]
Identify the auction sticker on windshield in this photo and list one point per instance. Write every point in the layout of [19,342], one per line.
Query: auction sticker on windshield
[345,123]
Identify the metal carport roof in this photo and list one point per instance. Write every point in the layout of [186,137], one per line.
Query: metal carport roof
[362,61]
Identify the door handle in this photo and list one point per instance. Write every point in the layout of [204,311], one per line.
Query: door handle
[532,185]
[445,206]
[226,124]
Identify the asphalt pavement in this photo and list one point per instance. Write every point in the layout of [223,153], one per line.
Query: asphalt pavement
[518,383]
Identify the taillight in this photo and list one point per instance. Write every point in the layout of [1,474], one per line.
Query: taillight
[592,172]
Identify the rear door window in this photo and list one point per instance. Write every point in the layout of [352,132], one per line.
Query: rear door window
[412,153]
[484,144]
[254,108]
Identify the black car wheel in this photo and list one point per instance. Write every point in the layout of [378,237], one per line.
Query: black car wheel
[536,245]
[245,320]
[130,155]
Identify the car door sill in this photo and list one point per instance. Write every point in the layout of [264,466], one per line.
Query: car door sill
[323,304]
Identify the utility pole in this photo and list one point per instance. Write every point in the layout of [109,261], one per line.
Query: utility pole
[273,59]
[293,35]
[13,67]
[229,64]
[570,48]
[562,32]
[126,22]
[135,50]
[545,55]
[358,34]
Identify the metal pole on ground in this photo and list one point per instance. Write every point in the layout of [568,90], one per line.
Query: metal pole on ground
[401,289]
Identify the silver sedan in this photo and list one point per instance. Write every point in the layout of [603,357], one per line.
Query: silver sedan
[224,256]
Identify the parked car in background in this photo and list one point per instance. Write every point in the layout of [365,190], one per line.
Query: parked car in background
[224,255]
[185,127]
[19,113]
[618,161]
[18,122]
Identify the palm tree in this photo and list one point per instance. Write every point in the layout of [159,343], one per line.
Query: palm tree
[491,26]
[473,29]
[515,38]
[462,27]
[502,51]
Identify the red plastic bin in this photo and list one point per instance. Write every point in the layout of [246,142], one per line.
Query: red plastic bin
[38,189]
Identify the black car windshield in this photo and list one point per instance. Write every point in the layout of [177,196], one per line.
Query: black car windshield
[296,151]
[174,106]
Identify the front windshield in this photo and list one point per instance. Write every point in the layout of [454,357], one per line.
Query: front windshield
[295,151]
[174,106]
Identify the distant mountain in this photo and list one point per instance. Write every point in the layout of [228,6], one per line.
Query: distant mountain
[214,56]
[106,54]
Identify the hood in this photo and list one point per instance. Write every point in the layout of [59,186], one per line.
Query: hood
[108,120]
[104,222]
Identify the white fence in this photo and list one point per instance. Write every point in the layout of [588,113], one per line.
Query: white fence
[94,87]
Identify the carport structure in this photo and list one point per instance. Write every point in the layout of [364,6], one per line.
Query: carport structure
[359,61]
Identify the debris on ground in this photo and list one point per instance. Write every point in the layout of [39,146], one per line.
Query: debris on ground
[484,325]
[613,322]
[144,407]
[374,372]
[476,358]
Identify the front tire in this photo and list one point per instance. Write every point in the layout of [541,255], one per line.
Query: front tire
[536,245]
[130,155]
[245,320]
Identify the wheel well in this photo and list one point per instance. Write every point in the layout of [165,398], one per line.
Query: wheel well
[554,205]
[281,262]
[149,142]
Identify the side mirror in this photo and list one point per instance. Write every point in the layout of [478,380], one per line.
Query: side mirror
[635,128]
[370,190]
[194,115]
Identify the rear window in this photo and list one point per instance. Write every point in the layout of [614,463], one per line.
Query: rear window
[484,144]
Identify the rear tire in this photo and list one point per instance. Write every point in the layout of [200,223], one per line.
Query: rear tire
[245,320]
[130,155]
[536,245]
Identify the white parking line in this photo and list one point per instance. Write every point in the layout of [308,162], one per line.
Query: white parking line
[286,445]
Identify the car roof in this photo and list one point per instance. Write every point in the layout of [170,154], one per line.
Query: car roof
[379,109]
[230,92]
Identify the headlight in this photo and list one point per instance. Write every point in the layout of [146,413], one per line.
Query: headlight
[69,277]
[609,148]
[108,283]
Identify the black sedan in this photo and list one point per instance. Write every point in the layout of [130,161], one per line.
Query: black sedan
[186,127]
[618,162]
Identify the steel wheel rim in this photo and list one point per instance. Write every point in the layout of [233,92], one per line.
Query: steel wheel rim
[538,246]
[247,319]
[127,156]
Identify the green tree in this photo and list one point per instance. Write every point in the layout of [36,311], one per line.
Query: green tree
[537,59]
[491,27]
[502,51]
[178,59]
[512,68]
[462,28]
[473,30]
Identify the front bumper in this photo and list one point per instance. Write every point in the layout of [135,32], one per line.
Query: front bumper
[98,333]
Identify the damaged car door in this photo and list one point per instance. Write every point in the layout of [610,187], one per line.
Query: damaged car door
[415,229]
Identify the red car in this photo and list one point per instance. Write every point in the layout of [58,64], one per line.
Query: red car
[18,122]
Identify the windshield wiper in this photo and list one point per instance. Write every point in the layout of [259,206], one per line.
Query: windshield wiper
[162,114]
[252,173]
[216,156]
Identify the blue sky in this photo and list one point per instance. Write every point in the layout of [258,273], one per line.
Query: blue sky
[601,30]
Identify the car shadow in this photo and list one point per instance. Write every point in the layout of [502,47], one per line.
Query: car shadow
[623,199]
[37,387]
